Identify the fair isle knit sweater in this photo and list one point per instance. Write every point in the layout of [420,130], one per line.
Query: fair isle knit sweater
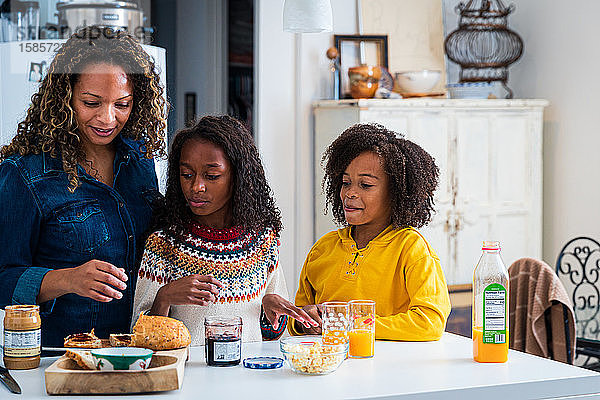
[246,263]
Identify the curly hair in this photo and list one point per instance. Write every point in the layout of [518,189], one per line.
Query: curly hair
[51,126]
[413,175]
[252,202]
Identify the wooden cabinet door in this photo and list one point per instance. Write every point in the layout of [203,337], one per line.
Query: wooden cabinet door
[430,131]
[472,185]
[496,181]
[517,184]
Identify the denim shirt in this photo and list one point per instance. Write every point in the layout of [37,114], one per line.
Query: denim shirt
[43,227]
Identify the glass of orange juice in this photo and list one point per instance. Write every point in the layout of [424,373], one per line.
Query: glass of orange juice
[362,328]
[335,322]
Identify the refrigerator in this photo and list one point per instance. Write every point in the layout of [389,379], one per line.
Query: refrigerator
[22,66]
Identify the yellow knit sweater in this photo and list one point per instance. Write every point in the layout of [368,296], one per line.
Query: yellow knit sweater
[398,269]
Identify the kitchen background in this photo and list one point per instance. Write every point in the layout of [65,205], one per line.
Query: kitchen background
[277,83]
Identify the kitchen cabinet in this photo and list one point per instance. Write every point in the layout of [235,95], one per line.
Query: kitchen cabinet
[489,153]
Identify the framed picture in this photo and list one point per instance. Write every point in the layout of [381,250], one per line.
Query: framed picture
[355,50]
[37,71]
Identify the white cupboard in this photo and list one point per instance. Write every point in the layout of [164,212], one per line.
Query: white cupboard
[489,153]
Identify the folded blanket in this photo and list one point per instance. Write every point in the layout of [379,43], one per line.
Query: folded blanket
[534,289]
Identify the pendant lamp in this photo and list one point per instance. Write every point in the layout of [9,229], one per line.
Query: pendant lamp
[307,16]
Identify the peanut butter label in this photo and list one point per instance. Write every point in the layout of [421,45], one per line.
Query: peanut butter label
[22,343]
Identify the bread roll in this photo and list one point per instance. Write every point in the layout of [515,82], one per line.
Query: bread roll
[160,333]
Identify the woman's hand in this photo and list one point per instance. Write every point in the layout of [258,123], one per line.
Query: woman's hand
[200,290]
[98,280]
[275,306]
[95,279]
[314,310]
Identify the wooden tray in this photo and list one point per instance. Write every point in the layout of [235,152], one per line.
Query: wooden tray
[165,372]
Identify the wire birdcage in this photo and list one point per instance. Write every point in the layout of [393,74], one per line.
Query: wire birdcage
[483,45]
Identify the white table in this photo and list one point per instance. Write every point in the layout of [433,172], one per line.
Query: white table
[428,370]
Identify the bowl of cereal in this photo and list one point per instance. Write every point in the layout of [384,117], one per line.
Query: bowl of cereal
[310,356]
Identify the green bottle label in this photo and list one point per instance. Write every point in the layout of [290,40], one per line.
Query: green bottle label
[494,314]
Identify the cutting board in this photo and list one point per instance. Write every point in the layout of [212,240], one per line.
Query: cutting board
[165,372]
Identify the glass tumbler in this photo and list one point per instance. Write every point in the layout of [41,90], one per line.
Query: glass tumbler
[362,328]
[335,322]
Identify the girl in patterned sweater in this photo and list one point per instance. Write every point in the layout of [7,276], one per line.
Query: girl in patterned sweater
[214,250]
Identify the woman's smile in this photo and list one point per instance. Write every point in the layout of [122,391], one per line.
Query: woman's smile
[102,132]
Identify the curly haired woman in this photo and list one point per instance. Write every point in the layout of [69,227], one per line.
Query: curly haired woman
[76,186]
[215,251]
[380,187]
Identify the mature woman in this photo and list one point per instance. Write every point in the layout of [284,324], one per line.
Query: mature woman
[77,183]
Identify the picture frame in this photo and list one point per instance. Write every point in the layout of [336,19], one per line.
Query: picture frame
[374,49]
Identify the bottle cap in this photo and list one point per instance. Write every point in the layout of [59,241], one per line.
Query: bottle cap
[490,245]
[263,362]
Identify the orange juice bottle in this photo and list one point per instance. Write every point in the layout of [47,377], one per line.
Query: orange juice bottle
[490,306]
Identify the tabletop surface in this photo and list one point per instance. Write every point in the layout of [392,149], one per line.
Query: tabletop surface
[414,370]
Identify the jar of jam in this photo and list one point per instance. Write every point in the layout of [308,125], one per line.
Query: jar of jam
[223,341]
[22,336]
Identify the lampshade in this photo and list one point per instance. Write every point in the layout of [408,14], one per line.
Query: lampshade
[307,16]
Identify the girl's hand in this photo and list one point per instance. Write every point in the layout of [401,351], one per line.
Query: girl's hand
[97,280]
[200,290]
[314,310]
[275,306]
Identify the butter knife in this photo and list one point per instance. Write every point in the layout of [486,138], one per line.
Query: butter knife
[64,349]
[9,381]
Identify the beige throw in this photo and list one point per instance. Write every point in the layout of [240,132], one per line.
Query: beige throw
[533,288]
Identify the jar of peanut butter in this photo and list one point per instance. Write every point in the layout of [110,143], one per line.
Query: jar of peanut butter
[22,336]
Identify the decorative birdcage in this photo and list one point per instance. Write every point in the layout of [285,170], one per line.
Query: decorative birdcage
[483,45]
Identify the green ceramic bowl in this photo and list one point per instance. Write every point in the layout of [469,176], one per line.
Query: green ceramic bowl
[122,358]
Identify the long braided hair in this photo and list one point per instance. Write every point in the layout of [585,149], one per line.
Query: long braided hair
[252,202]
[51,126]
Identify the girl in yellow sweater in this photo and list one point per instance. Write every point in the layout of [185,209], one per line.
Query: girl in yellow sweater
[380,188]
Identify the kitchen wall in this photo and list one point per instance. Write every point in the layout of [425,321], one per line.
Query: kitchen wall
[556,65]
[201,67]
[560,53]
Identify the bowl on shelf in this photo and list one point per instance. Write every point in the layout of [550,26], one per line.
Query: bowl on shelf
[310,356]
[122,358]
[421,82]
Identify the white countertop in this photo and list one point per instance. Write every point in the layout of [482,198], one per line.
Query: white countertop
[427,370]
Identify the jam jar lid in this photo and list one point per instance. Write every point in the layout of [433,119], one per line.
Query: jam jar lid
[222,321]
[263,362]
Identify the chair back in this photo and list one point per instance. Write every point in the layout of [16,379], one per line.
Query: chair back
[578,268]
